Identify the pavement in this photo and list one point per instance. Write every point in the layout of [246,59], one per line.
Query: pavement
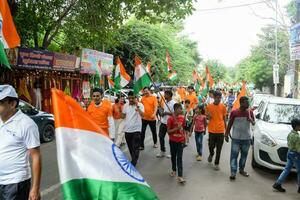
[203,182]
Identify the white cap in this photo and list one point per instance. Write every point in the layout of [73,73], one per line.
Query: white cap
[7,91]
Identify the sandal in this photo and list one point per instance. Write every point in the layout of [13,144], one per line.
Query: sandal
[180,180]
[173,174]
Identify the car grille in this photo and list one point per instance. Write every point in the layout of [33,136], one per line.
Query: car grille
[282,153]
[265,156]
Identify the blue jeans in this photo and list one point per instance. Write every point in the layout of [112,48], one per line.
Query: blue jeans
[239,146]
[293,158]
[199,139]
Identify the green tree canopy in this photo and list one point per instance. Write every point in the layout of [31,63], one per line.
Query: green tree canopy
[150,42]
[88,23]
[258,66]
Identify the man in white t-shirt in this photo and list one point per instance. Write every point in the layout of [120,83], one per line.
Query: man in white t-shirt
[133,112]
[19,139]
[168,110]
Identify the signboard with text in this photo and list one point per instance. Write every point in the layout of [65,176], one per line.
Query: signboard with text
[93,61]
[30,58]
[64,62]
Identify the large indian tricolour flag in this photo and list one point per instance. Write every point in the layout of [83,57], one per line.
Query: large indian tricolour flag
[9,37]
[141,76]
[91,166]
[121,77]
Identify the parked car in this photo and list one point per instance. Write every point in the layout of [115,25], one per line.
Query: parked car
[273,124]
[257,98]
[113,95]
[44,121]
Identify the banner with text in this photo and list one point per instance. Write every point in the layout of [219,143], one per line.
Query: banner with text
[64,62]
[295,42]
[93,61]
[30,58]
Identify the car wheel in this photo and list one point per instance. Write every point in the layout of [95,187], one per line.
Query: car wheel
[48,133]
[253,162]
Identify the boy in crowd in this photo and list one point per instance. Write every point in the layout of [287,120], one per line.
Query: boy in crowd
[293,156]
[177,136]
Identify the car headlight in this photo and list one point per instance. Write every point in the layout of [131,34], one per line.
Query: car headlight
[267,140]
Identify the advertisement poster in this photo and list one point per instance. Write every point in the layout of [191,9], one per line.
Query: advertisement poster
[295,42]
[64,62]
[39,59]
[93,61]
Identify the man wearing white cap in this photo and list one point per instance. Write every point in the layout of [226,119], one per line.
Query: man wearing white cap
[19,138]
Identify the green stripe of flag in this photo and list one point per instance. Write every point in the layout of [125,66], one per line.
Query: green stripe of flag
[3,57]
[90,189]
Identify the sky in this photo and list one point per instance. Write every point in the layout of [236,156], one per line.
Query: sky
[228,34]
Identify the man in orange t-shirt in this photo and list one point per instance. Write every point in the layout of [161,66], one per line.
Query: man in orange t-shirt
[150,106]
[101,112]
[192,97]
[216,114]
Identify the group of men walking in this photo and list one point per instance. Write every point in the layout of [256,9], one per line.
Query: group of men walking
[182,113]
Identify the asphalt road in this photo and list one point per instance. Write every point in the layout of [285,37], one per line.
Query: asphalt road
[203,182]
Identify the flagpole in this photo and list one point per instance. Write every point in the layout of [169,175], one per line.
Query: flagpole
[172,113]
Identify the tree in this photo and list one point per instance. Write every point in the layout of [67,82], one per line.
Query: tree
[150,42]
[90,22]
[257,67]
[217,69]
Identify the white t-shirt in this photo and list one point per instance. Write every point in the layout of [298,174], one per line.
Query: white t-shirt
[17,135]
[166,109]
[133,120]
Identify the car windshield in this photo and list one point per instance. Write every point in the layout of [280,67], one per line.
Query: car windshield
[281,113]
[25,108]
[257,99]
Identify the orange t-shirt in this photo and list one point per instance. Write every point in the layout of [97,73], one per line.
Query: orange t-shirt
[101,113]
[216,122]
[182,93]
[193,99]
[150,103]
[117,110]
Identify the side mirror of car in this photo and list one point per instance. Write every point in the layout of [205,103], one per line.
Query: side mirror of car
[257,116]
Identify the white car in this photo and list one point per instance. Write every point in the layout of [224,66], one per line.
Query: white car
[273,124]
[113,95]
[257,98]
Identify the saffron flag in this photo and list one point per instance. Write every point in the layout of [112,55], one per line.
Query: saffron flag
[242,93]
[148,68]
[9,37]
[209,78]
[90,165]
[141,77]
[168,59]
[121,77]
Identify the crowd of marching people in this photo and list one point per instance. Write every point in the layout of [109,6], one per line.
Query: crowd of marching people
[180,113]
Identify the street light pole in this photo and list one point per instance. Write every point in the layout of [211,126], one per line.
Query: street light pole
[296,94]
[275,71]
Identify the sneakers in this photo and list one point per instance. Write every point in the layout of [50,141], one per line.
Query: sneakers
[155,146]
[232,177]
[217,168]
[209,159]
[198,158]
[279,188]
[243,173]
[161,154]
[168,156]
[142,148]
